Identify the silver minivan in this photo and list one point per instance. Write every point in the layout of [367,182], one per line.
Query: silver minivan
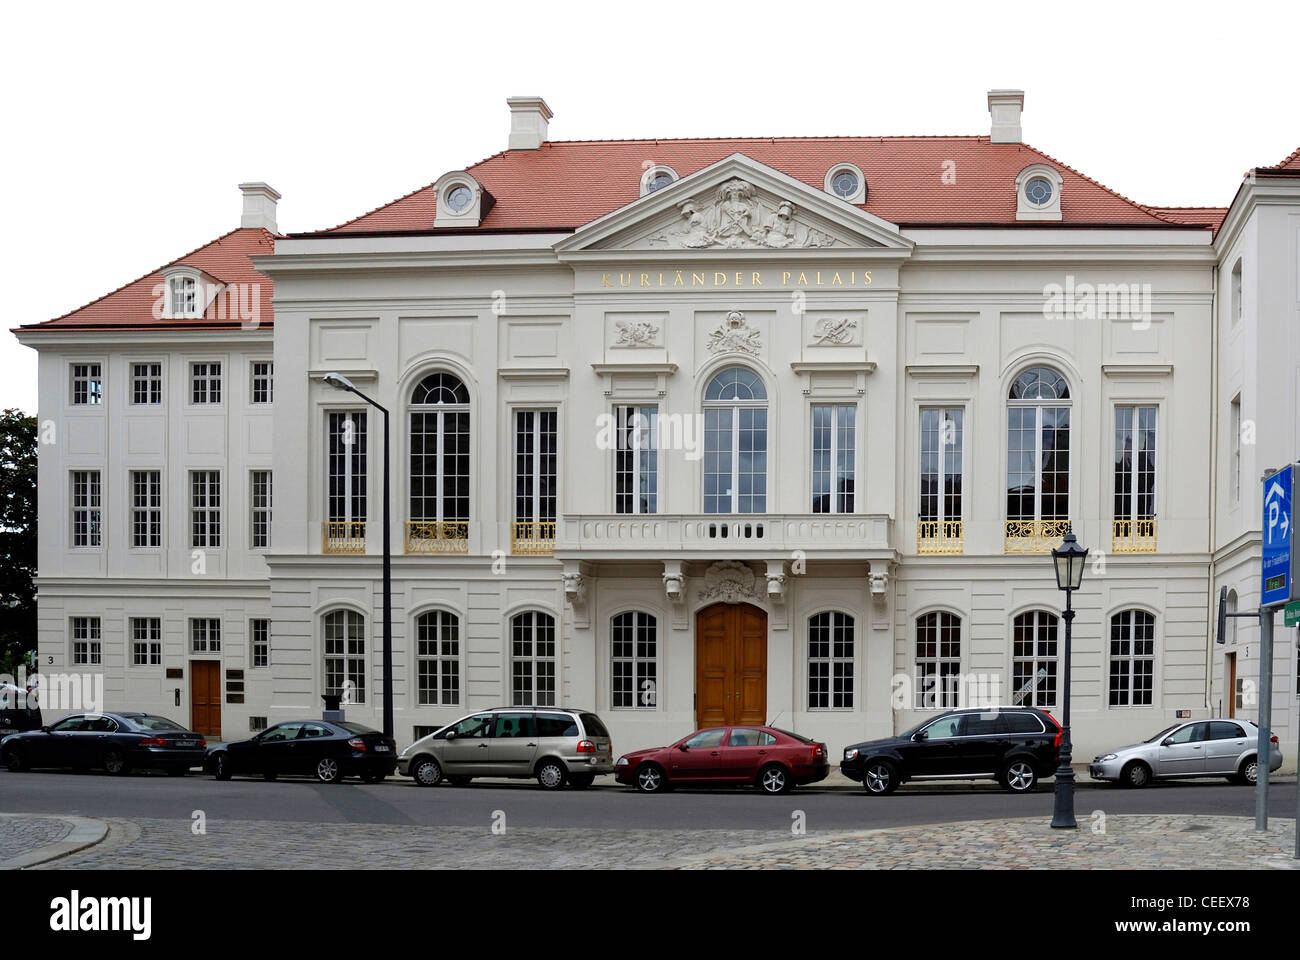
[556,745]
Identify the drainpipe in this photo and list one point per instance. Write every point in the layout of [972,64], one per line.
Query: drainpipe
[1211,613]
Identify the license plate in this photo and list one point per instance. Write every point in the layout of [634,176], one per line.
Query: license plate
[185,743]
[381,749]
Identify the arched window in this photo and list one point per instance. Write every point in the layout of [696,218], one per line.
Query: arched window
[1034,659]
[1132,658]
[735,443]
[1038,460]
[830,661]
[532,659]
[938,660]
[344,632]
[634,659]
[439,442]
[437,658]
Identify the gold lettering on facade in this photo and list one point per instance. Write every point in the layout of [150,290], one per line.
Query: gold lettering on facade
[697,279]
[803,279]
[719,279]
[866,278]
[785,278]
[604,280]
[758,279]
[645,279]
[625,279]
[836,281]
[678,281]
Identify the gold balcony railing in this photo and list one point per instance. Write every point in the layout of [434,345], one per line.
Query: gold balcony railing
[1133,536]
[1034,536]
[532,538]
[343,536]
[939,536]
[437,536]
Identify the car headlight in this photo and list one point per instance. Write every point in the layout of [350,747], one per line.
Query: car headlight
[622,762]
[1109,756]
[851,753]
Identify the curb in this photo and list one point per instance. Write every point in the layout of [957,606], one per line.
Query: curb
[85,833]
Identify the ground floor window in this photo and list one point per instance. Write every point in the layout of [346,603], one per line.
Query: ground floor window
[634,654]
[345,655]
[1033,673]
[532,659]
[437,657]
[938,660]
[260,641]
[146,641]
[1132,658]
[86,648]
[205,635]
[830,661]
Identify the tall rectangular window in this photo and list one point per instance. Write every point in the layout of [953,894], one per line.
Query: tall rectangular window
[1236,292]
[87,530]
[532,660]
[259,643]
[942,442]
[205,382]
[205,508]
[437,658]
[1132,658]
[184,297]
[146,641]
[261,375]
[146,383]
[1135,463]
[1235,421]
[86,646]
[834,432]
[345,655]
[636,459]
[205,635]
[259,503]
[87,384]
[830,661]
[146,508]
[347,467]
[536,463]
[634,661]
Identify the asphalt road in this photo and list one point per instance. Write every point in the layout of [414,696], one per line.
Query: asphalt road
[604,806]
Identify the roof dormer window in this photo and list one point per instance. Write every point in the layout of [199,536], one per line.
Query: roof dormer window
[845,180]
[1038,193]
[460,200]
[656,177]
[182,294]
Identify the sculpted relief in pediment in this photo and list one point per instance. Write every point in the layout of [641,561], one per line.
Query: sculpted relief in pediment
[738,218]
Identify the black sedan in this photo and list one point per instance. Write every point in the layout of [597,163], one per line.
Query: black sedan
[327,750]
[115,742]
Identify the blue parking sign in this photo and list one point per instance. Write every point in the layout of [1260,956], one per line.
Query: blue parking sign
[1277,573]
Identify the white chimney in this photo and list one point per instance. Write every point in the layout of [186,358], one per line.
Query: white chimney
[1005,106]
[528,116]
[259,206]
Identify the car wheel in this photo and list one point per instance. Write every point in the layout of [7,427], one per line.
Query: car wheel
[16,759]
[1018,777]
[177,771]
[1249,770]
[460,781]
[551,774]
[427,772]
[373,777]
[1136,774]
[650,778]
[329,771]
[581,781]
[115,763]
[773,779]
[269,775]
[880,777]
[221,767]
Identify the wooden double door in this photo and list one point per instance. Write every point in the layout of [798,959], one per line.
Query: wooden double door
[205,697]
[730,665]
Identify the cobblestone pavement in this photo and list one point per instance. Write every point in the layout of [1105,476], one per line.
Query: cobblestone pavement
[1129,842]
[19,834]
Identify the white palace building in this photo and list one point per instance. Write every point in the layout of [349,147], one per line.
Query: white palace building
[686,432]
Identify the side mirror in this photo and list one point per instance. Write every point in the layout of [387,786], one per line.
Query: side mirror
[450,735]
[920,735]
[682,747]
[45,729]
[1167,742]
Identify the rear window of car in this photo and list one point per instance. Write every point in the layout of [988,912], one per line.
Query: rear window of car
[1020,723]
[591,723]
[153,723]
[556,725]
[796,736]
[356,727]
[1224,730]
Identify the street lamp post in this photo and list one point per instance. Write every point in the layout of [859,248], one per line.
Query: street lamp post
[1068,559]
[340,382]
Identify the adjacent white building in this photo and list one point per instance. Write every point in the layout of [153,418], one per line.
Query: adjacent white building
[686,432]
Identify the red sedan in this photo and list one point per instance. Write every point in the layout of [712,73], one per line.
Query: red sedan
[772,760]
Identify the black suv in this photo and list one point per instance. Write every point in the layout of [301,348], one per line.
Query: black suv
[1014,745]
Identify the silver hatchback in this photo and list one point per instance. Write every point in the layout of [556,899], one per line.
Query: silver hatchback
[1196,748]
[555,745]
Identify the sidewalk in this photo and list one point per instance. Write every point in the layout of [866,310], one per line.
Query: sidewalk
[28,839]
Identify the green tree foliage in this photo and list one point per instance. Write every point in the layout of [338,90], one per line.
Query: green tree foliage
[17,538]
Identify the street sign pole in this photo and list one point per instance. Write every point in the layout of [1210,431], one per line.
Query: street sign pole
[1264,748]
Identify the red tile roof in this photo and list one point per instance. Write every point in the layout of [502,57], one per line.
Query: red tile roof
[225,259]
[1210,217]
[1290,163]
[566,184]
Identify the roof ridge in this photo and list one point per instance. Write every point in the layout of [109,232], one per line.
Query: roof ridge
[1096,183]
[773,139]
[143,276]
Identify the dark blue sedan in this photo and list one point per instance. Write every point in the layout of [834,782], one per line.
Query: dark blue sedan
[114,742]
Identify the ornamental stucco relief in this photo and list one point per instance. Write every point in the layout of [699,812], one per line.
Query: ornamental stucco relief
[636,333]
[734,335]
[730,582]
[738,218]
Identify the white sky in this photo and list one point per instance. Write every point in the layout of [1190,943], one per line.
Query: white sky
[128,128]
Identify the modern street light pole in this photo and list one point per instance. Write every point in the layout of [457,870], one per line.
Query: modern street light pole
[1068,559]
[340,382]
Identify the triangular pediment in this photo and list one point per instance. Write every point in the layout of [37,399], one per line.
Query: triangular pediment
[736,204]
